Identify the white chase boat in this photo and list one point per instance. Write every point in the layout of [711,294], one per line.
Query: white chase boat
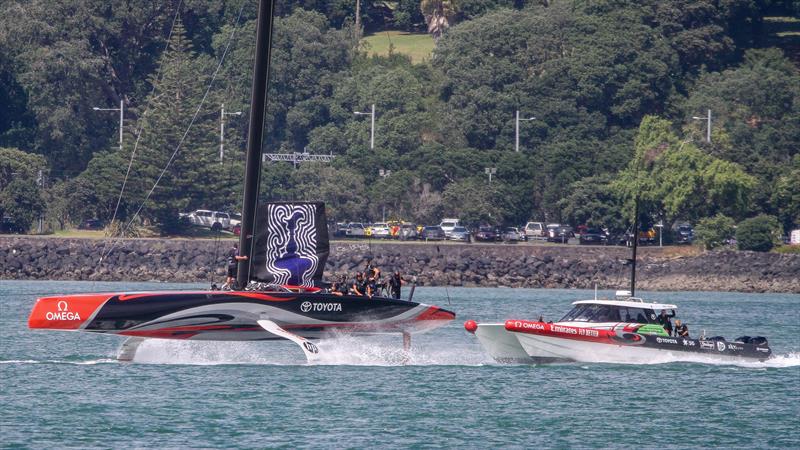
[625,329]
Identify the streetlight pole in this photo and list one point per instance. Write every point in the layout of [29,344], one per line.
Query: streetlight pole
[708,125]
[490,171]
[222,115]
[516,128]
[372,125]
[121,110]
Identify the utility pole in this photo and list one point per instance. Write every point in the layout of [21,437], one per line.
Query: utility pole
[40,182]
[516,129]
[708,125]
[372,125]
[358,19]
[490,171]
[121,110]
[222,115]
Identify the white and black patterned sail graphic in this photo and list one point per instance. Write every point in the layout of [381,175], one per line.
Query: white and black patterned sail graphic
[291,243]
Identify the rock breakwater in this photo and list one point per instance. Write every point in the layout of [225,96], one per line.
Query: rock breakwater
[501,265]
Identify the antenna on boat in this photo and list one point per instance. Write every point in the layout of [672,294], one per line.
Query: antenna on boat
[635,245]
[255,134]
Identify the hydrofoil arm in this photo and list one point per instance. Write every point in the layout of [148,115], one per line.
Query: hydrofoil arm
[309,349]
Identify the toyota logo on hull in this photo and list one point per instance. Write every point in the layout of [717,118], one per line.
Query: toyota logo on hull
[320,307]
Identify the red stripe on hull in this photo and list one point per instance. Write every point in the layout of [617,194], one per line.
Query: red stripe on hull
[561,331]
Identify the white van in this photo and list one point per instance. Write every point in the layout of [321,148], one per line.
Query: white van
[216,220]
[535,230]
[447,225]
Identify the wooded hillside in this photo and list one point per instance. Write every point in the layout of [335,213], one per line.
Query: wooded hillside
[613,86]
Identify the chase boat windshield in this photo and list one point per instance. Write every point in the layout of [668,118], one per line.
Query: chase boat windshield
[605,311]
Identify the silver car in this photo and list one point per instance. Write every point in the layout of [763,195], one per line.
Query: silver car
[459,234]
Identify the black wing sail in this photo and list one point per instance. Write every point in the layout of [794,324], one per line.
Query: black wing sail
[291,243]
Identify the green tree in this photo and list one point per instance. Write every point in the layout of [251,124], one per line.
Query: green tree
[593,201]
[756,118]
[760,233]
[674,179]
[439,15]
[17,164]
[786,196]
[473,201]
[713,232]
[21,202]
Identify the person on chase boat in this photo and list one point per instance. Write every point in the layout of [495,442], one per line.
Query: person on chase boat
[681,330]
[665,321]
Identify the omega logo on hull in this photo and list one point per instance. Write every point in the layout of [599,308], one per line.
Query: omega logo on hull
[63,313]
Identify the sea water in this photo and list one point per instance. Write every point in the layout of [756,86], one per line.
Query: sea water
[66,390]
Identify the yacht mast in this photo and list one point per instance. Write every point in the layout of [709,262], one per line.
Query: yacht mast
[635,245]
[258,102]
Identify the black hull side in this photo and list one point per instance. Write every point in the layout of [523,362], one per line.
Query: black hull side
[234,315]
[714,348]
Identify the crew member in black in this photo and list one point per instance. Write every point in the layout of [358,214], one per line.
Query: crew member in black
[681,330]
[357,285]
[395,283]
[372,286]
[665,321]
[233,259]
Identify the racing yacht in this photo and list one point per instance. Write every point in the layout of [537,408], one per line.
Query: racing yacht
[279,293]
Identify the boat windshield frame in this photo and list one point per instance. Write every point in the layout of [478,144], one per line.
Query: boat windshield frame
[605,313]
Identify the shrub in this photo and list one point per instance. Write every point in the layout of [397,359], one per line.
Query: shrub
[759,233]
[713,232]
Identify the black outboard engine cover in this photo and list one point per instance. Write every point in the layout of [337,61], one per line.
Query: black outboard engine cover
[758,340]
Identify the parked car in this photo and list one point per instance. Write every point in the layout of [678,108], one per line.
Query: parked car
[684,234]
[236,219]
[380,230]
[91,224]
[407,231]
[8,225]
[432,233]
[355,229]
[561,233]
[513,234]
[237,229]
[486,234]
[216,220]
[593,236]
[340,229]
[459,234]
[447,225]
[535,230]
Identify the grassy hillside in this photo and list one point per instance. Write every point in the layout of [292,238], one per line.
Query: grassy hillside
[784,32]
[416,45]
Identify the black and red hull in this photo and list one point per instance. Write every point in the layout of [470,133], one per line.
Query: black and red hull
[232,315]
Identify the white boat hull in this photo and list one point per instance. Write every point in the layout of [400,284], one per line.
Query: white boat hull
[501,345]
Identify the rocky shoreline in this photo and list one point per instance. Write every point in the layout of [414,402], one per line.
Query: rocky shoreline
[501,265]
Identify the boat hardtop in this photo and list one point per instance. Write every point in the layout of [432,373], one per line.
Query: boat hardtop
[633,302]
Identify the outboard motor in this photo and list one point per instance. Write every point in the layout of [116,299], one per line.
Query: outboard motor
[758,340]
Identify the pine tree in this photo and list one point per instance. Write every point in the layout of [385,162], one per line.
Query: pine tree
[175,98]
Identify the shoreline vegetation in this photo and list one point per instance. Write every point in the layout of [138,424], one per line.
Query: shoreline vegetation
[434,264]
